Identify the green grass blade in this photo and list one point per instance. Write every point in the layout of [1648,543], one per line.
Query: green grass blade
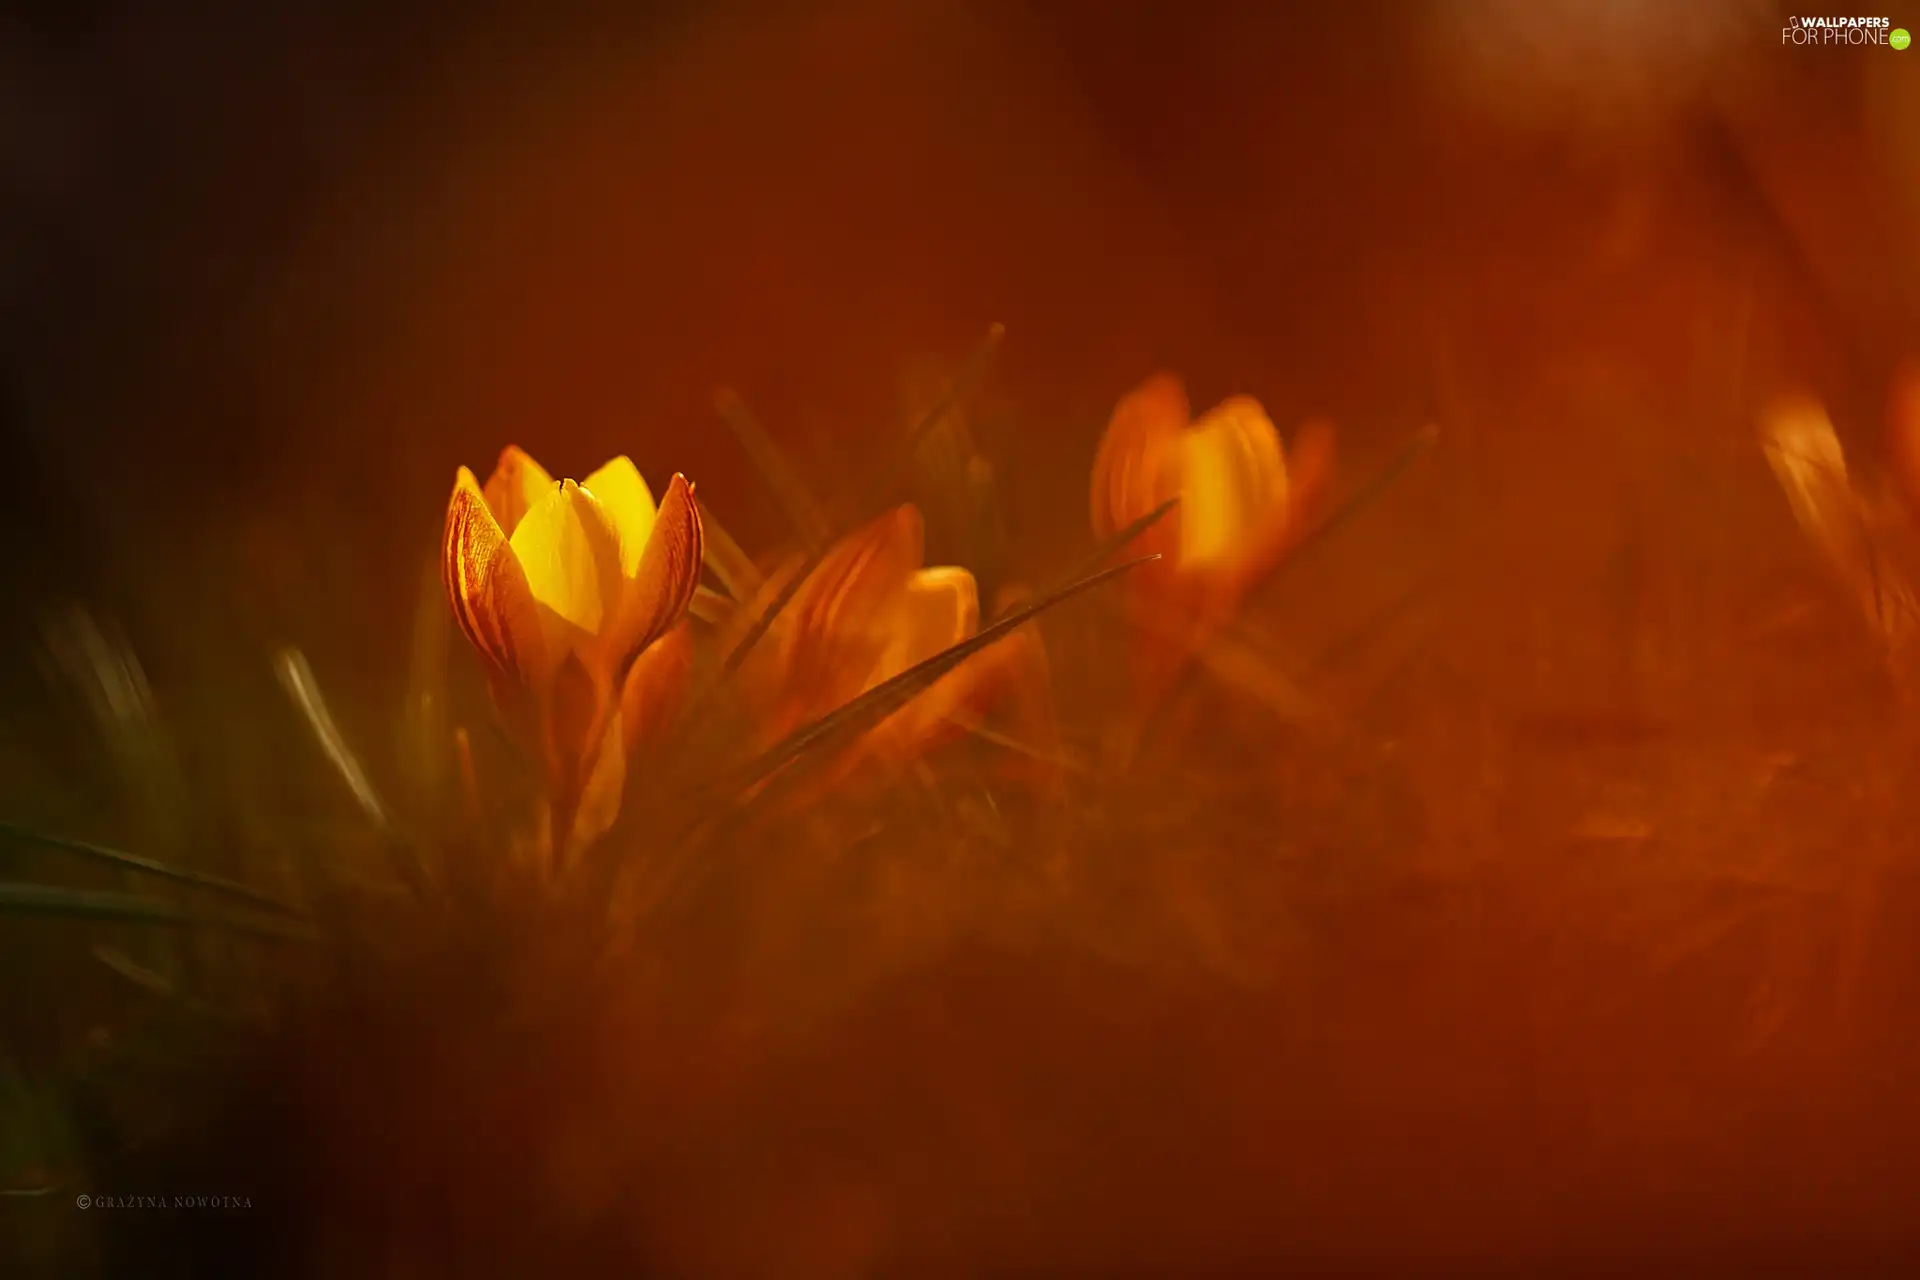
[98,904]
[146,866]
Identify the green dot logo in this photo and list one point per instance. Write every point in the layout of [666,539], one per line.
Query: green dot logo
[1899,38]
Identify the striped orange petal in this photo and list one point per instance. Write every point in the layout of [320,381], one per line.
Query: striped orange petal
[1137,467]
[488,589]
[655,692]
[665,573]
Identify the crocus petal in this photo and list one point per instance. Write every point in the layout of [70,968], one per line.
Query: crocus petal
[665,578]
[1310,472]
[862,575]
[488,588]
[601,796]
[1137,466]
[517,483]
[835,629]
[624,493]
[938,609]
[571,553]
[1233,477]
[655,692]
[577,712]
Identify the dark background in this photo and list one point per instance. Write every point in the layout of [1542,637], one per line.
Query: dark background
[262,257]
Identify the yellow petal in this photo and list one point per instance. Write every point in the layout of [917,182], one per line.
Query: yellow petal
[1233,478]
[571,553]
[655,692]
[517,483]
[665,578]
[488,588]
[624,493]
[1137,466]
[938,609]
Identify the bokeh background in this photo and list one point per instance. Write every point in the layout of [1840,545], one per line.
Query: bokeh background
[269,273]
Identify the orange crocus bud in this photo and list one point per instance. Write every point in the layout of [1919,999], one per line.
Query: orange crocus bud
[868,612]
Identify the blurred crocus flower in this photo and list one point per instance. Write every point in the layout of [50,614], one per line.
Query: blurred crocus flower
[869,611]
[1862,533]
[1243,507]
[573,596]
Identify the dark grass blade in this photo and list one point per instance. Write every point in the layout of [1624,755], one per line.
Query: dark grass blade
[95,904]
[147,866]
[883,699]
[1352,505]
[803,512]
[1118,542]
[960,387]
[1371,491]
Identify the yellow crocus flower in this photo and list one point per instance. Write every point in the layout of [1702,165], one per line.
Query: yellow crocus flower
[561,587]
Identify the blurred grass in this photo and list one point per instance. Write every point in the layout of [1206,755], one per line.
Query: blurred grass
[1580,918]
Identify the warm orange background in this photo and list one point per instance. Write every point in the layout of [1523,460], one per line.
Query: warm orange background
[304,269]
